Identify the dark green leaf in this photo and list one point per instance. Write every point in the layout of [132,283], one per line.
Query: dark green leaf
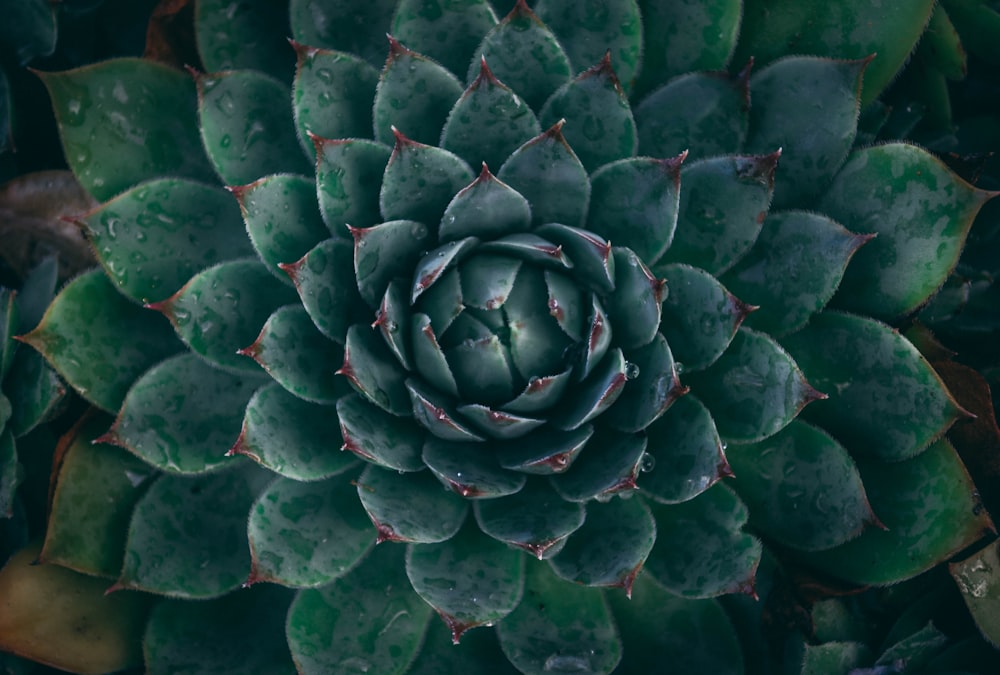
[535,519]
[379,437]
[245,35]
[448,32]
[373,371]
[607,465]
[486,209]
[386,251]
[470,469]
[634,307]
[410,507]
[651,388]
[420,181]
[325,280]
[348,177]
[977,579]
[347,27]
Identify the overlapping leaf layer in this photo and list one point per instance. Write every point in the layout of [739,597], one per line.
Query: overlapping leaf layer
[509,324]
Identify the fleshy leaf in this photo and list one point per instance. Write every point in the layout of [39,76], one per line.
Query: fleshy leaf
[601,127]
[470,579]
[230,38]
[525,55]
[609,464]
[384,252]
[634,306]
[551,178]
[787,97]
[802,488]
[930,509]
[684,454]
[420,181]
[37,389]
[642,217]
[446,32]
[545,451]
[298,356]
[885,399]
[652,387]
[754,389]
[222,310]
[379,437]
[154,237]
[595,394]
[708,116]
[488,122]
[95,490]
[535,519]
[124,121]
[414,95]
[359,29]
[372,370]
[247,126]
[348,175]
[722,206]
[325,280]
[485,209]
[182,415]
[700,317]
[921,212]
[793,269]
[307,534]
[326,632]
[479,652]
[282,219]
[332,95]
[245,628]
[700,550]
[976,577]
[559,627]
[83,336]
[187,538]
[470,469]
[410,507]
[292,437]
[11,471]
[610,547]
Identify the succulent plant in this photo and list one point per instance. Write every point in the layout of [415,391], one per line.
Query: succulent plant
[513,325]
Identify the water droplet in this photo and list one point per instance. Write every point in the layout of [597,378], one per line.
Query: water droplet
[678,367]
[647,463]
[631,370]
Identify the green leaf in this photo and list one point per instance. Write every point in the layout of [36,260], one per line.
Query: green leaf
[379,437]
[37,292]
[324,278]
[221,310]
[535,519]
[373,371]
[410,507]
[307,534]
[802,488]
[708,116]
[470,579]
[37,389]
[525,55]
[420,181]
[835,657]
[793,269]
[488,122]
[700,549]
[652,387]
[885,400]
[386,251]
[634,307]
[755,388]
[125,121]
[683,37]
[347,27]
[683,455]
[9,325]
[641,217]
[921,212]
[96,487]
[154,237]
[700,317]
[183,414]
[470,469]
[348,176]
[30,30]
[11,472]
[787,96]
[282,219]
[239,634]
[299,358]
[99,341]
[601,128]
[723,203]
[448,32]
[693,636]
[486,209]
[978,581]
[368,620]
[187,538]
[608,464]
[559,627]
[479,652]
[231,37]
[930,509]
[292,437]
[332,96]
[247,126]
[414,95]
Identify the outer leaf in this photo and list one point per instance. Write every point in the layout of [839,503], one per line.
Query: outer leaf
[240,633]
[37,390]
[379,437]
[930,509]
[885,399]
[921,212]
[348,176]
[291,437]
[307,534]
[470,579]
[700,551]
[125,121]
[95,490]
[325,280]
[154,237]
[359,29]
[243,36]
[182,415]
[420,181]
[82,335]
[11,472]
[535,519]
[367,621]
[187,538]
[410,507]
[559,627]
[479,652]
[977,579]
[448,32]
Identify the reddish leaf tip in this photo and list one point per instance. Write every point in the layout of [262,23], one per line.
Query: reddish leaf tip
[456,627]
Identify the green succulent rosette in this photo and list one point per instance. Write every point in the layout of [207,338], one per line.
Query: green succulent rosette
[507,326]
